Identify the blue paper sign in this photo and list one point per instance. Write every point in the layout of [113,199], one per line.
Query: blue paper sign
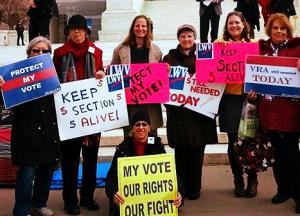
[28,80]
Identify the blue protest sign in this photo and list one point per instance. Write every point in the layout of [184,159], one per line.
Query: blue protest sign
[28,80]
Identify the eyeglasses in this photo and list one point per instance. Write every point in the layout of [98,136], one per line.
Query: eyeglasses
[139,124]
[40,50]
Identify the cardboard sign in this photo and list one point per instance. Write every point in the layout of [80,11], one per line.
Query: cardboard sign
[148,184]
[218,63]
[144,83]
[185,91]
[90,106]
[28,80]
[277,76]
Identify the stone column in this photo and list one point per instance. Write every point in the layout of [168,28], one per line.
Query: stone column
[117,18]
[54,30]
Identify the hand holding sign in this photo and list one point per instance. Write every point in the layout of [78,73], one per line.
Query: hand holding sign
[178,200]
[99,74]
[118,199]
[1,81]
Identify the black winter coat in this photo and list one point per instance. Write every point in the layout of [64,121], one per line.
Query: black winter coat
[34,135]
[43,8]
[19,29]
[282,6]
[250,10]
[186,128]
[126,149]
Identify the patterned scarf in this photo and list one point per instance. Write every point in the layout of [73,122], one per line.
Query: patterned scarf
[277,47]
[68,69]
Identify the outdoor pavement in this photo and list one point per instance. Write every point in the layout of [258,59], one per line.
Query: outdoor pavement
[216,198]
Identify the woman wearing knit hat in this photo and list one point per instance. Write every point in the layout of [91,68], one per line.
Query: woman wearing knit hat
[188,131]
[137,144]
[79,59]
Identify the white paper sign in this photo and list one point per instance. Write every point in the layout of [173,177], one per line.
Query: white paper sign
[207,2]
[277,76]
[91,106]
[185,91]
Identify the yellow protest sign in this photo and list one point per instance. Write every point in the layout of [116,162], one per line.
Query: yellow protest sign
[148,184]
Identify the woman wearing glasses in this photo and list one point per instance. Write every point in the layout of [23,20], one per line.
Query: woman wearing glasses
[136,144]
[34,146]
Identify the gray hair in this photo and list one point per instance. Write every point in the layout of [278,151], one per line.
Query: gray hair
[35,41]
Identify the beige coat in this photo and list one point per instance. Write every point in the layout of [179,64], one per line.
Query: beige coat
[121,55]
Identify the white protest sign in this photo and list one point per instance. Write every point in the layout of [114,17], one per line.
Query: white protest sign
[90,106]
[277,76]
[200,97]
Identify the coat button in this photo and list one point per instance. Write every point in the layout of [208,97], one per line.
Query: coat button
[42,111]
[39,128]
[54,123]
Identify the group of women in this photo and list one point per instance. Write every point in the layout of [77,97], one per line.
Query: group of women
[36,152]
[188,132]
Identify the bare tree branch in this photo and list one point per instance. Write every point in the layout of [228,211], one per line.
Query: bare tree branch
[12,11]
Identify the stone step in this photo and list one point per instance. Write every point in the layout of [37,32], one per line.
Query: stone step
[215,154]
[168,15]
[115,137]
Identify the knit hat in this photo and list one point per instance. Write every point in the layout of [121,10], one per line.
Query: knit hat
[186,27]
[140,115]
[77,21]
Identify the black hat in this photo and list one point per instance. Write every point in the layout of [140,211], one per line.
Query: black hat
[140,115]
[77,21]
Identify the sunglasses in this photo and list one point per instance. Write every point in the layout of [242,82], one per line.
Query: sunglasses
[139,124]
[40,50]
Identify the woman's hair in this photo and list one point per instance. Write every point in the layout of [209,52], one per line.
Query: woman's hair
[130,39]
[283,20]
[35,41]
[245,33]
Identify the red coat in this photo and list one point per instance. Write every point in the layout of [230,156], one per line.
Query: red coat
[265,9]
[79,51]
[279,113]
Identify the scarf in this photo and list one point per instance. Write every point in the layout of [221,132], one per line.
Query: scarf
[139,147]
[68,69]
[277,47]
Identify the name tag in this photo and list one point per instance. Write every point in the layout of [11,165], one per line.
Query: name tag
[151,140]
[91,50]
